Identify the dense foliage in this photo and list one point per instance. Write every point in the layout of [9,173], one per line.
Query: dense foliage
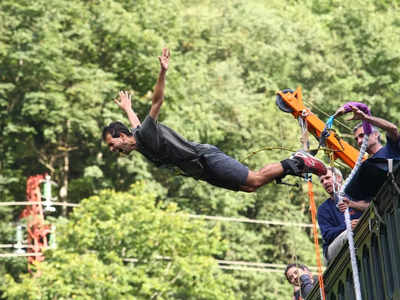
[62,63]
[173,254]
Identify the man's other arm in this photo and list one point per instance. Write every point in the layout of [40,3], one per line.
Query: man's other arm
[329,230]
[158,95]
[360,205]
[125,103]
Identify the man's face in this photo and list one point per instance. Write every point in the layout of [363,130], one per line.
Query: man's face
[327,182]
[293,276]
[359,135]
[119,144]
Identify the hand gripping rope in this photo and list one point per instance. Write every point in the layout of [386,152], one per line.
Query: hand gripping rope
[367,131]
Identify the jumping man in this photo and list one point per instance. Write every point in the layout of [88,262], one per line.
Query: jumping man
[163,146]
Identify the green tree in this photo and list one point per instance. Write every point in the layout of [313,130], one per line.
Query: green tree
[173,255]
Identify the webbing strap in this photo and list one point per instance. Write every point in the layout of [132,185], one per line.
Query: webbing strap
[313,210]
[390,165]
[390,173]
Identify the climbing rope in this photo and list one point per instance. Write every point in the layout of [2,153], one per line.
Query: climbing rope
[349,230]
[367,131]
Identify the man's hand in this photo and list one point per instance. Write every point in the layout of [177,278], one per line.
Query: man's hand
[301,272]
[344,204]
[358,114]
[124,102]
[340,111]
[164,59]
[354,223]
[360,205]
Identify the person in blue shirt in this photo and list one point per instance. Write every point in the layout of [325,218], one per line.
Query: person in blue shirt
[330,215]
[373,172]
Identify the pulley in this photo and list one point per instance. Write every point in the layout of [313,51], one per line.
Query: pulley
[281,103]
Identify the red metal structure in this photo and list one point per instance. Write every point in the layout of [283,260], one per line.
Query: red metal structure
[37,230]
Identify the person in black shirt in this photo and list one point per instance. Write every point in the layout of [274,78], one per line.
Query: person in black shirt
[163,146]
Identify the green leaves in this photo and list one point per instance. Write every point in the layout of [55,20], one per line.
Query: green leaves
[172,254]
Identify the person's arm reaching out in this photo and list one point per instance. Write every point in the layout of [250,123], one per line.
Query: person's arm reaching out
[125,103]
[390,128]
[158,95]
[328,226]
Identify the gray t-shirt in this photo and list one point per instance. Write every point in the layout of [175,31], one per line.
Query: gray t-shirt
[163,146]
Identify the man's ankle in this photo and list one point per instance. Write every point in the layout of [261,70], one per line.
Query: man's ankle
[292,166]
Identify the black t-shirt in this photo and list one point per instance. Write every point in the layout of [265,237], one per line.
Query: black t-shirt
[163,146]
[372,173]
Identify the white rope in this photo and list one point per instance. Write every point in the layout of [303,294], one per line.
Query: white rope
[245,220]
[14,246]
[6,255]
[228,262]
[37,203]
[349,230]
[7,246]
[224,264]
[239,265]
[217,218]
[251,269]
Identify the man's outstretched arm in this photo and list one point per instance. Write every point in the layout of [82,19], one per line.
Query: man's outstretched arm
[390,128]
[125,103]
[158,95]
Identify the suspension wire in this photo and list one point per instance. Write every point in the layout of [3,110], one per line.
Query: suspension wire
[222,263]
[326,114]
[294,255]
[313,209]
[245,220]
[265,149]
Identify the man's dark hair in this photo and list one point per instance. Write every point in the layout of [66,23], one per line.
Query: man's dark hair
[114,129]
[301,266]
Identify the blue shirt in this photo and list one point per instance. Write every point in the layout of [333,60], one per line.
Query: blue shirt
[390,150]
[331,221]
[373,172]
